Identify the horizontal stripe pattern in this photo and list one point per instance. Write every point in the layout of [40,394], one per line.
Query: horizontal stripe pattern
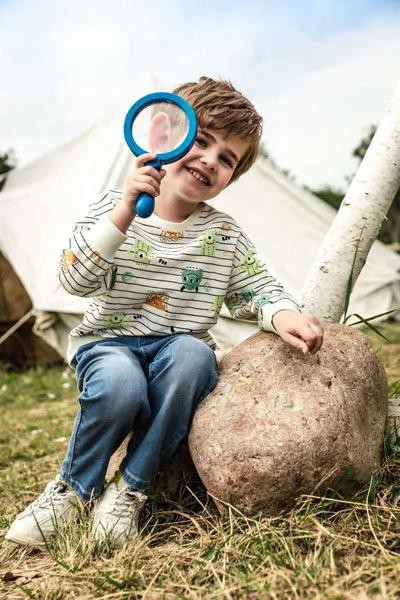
[161,281]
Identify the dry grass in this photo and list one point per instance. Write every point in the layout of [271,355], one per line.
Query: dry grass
[327,548]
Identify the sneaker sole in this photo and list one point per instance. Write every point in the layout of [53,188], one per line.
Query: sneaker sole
[23,542]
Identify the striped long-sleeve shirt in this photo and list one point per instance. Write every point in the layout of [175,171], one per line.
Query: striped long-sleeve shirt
[160,277]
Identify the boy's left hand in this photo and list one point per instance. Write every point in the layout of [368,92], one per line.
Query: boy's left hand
[302,331]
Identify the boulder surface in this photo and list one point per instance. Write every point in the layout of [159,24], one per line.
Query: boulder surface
[280,424]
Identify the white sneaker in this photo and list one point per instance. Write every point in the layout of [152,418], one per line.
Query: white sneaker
[40,520]
[116,515]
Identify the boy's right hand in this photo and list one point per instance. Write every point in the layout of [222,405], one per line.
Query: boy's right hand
[143,179]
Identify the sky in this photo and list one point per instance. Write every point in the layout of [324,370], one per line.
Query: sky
[320,72]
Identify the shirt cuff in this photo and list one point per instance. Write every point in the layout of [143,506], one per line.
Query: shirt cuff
[267,311]
[105,238]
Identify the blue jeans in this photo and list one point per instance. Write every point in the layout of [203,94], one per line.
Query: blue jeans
[150,385]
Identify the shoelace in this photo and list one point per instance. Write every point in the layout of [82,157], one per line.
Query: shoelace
[124,503]
[49,497]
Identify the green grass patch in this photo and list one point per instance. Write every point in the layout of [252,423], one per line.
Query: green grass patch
[329,548]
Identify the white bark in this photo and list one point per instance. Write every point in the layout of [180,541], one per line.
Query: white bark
[359,219]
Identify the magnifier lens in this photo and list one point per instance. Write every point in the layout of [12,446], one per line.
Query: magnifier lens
[163,124]
[160,127]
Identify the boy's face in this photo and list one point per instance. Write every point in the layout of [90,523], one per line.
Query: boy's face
[207,168]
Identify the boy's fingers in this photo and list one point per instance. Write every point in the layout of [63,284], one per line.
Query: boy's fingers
[149,189]
[308,340]
[318,339]
[144,158]
[143,185]
[311,333]
[152,171]
[296,342]
[147,178]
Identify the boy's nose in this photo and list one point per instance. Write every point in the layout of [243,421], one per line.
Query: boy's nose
[209,160]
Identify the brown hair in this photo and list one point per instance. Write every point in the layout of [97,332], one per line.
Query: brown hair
[219,105]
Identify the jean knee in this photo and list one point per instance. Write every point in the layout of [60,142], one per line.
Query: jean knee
[123,401]
[115,390]
[195,357]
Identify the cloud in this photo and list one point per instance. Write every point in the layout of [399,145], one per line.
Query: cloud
[342,85]
[318,74]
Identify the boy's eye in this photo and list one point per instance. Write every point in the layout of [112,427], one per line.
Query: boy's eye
[201,142]
[226,160]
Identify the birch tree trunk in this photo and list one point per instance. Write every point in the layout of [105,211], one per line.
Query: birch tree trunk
[358,221]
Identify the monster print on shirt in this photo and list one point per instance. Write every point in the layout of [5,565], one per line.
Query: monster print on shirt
[250,264]
[209,242]
[142,251]
[191,279]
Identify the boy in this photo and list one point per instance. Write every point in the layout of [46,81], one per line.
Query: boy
[143,356]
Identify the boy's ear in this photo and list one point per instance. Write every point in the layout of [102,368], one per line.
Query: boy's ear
[159,134]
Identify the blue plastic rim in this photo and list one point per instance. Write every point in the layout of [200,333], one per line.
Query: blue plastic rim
[145,203]
[144,102]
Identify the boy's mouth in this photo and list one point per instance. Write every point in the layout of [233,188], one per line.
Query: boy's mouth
[200,177]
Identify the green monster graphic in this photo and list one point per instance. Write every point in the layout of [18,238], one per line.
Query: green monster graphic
[209,242]
[245,296]
[117,320]
[191,279]
[126,276]
[217,304]
[248,295]
[250,264]
[141,252]
[261,300]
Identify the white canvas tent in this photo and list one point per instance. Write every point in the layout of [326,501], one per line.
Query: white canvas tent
[40,203]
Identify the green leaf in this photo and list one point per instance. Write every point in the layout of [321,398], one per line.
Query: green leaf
[349,286]
[369,318]
[365,321]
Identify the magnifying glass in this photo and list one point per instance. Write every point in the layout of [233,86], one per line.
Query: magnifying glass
[163,124]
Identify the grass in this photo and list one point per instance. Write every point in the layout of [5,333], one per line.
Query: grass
[327,548]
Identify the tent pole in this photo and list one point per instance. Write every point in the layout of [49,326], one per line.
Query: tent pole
[17,325]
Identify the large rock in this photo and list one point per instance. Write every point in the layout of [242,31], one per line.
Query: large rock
[279,423]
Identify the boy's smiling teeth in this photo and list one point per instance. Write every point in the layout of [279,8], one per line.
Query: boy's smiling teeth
[197,175]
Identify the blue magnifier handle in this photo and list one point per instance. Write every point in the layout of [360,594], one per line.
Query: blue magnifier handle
[144,205]
[145,202]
